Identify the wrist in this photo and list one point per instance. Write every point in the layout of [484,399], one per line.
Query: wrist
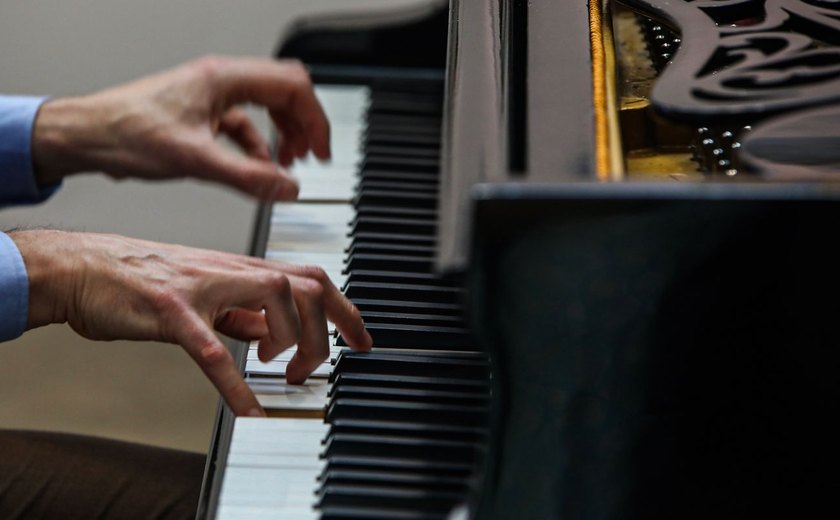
[49,274]
[63,136]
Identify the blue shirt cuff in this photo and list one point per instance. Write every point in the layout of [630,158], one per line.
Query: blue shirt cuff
[14,290]
[17,178]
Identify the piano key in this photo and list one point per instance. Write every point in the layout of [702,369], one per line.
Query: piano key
[272,467]
[280,395]
[278,368]
[409,429]
[384,498]
[371,175]
[287,354]
[378,197]
[344,103]
[387,411]
[391,479]
[377,362]
[475,385]
[401,447]
[405,394]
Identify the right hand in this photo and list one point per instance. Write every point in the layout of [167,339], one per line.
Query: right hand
[110,287]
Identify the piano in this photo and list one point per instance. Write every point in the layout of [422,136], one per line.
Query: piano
[593,243]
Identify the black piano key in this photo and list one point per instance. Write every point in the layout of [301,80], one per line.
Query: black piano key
[376,138]
[390,211]
[394,479]
[381,262]
[379,247]
[363,275]
[473,385]
[381,150]
[408,106]
[413,199]
[406,411]
[405,394]
[397,184]
[377,498]
[435,320]
[417,337]
[401,291]
[407,164]
[400,447]
[407,226]
[373,174]
[405,123]
[410,429]
[382,463]
[398,238]
[450,366]
[364,513]
[365,304]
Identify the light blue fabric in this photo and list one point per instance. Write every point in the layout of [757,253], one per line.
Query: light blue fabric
[17,186]
[17,181]
[14,290]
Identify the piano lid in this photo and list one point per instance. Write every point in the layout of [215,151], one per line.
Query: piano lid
[519,105]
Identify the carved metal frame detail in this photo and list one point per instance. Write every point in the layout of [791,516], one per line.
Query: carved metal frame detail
[744,60]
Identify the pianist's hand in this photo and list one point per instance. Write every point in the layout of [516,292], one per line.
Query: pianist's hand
[165,126]
[111,287]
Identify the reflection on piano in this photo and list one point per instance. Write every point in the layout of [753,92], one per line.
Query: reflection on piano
[592,244]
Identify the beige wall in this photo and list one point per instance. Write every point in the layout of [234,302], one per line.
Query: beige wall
[50,378]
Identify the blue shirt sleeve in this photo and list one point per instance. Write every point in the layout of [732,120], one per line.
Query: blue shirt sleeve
[14,290]
[17,180]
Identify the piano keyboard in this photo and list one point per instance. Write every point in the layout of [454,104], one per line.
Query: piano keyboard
[404,426]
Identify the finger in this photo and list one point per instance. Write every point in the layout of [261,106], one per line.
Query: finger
[313,346]
[217,364]
[239,127]
[284,322]
[242,324]
[298,141]
[281,87]
[261,179]
[286,146]
[269,291]
[338,308]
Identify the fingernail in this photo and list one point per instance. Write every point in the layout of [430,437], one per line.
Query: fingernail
[256,412]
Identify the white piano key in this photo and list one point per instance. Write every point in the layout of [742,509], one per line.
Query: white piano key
[272,469]
[345,145]
[278,368]
[343,103]
[259,428]
[325,187]
[287,354]
[309,397]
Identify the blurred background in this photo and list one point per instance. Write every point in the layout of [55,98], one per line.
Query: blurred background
[51,379]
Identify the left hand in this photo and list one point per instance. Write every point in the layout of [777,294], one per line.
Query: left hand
[165,126]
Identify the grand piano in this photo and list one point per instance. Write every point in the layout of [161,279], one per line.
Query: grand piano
[593,243]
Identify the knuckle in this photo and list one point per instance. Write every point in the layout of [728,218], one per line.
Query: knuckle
[165,301]
[210,66]
[278,283]
[297,72]
[214,356]
[316,273]
[313,291]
